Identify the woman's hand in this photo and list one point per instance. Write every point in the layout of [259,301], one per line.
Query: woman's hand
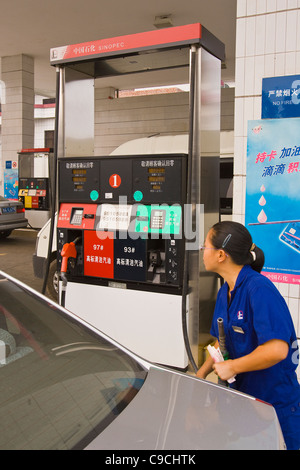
[224,370]
[264,356]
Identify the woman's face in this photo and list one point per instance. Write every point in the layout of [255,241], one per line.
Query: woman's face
[210,254]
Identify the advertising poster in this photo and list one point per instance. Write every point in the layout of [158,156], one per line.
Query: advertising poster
[11,176]
[273,195]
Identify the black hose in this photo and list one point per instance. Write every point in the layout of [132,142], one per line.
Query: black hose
[222,338]
[222,346]
[185,287]
[63,289]
[54,186]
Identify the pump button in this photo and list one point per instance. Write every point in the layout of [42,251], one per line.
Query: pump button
[94,195]
[138,196]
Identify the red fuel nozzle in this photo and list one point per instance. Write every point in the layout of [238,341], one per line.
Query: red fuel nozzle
[68,251]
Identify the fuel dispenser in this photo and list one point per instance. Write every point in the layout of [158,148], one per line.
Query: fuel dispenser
[34,184]
[129,226]
[120,227]
[127,213]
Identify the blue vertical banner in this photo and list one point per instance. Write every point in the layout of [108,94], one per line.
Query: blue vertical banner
[273,195]
[11,180]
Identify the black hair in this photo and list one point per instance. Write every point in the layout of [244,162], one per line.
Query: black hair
[237,242]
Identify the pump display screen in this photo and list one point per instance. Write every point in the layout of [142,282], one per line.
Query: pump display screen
[160,178]
[147,179]
[79,177]
[156,175]
[79,180]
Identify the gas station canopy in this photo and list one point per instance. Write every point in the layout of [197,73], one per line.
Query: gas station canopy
[141,52]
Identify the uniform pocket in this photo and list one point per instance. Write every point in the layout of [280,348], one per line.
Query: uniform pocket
[239,333]
[240,339]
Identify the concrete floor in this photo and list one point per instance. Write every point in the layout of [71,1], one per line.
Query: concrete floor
[16,257]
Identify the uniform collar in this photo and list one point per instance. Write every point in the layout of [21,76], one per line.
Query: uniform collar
[242,275]
[244,272]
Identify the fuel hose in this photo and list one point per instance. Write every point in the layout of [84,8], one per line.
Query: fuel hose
[185,288]
[222,346]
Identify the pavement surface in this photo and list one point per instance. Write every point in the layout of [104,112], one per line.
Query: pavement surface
[16,256]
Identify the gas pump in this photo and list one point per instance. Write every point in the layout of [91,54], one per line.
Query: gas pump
[125,216]
[129,226]
[128,213]
[34,184]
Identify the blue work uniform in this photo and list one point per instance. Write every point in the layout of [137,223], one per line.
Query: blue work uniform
[257,313]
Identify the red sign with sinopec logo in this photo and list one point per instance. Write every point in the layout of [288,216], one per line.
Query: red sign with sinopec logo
[191,33]
[99,254]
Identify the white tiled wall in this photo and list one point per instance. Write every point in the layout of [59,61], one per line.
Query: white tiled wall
[267,45]
[40,126]
[44,120]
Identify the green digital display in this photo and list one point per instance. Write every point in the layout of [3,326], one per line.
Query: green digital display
[158,219]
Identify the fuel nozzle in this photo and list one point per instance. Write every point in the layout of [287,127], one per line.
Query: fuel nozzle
[68,251]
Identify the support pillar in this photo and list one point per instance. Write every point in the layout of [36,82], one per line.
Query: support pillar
[17,79]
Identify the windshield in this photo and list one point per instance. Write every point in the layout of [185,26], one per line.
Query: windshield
[60,384]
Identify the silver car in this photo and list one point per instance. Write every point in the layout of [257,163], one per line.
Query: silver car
[12,216]
[65,385]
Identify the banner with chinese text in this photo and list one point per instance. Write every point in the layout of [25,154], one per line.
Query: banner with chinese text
[273,195]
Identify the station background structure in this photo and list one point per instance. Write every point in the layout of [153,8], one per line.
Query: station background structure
[263,41]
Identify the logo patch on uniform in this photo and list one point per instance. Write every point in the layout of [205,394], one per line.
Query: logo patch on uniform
[240,315]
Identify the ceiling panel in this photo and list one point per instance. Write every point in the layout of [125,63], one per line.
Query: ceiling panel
[33,27]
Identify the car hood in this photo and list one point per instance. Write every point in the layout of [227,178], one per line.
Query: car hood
[178,411]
